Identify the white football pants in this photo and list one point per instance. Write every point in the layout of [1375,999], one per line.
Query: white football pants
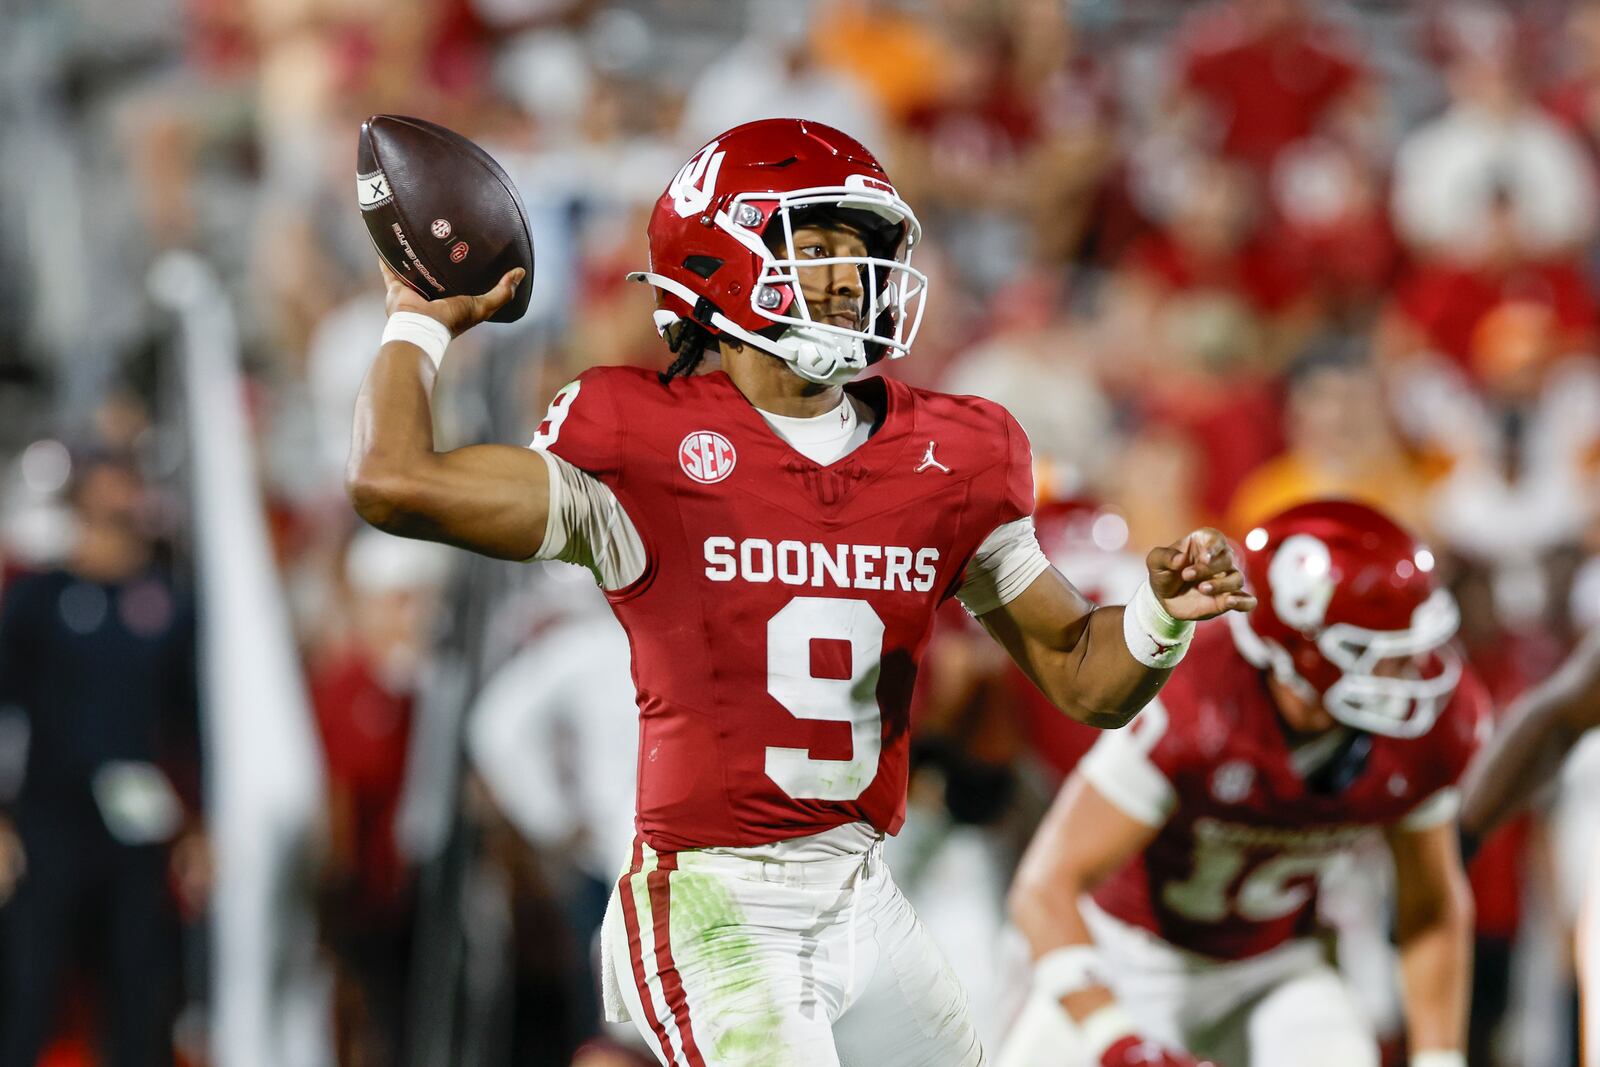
[725,961]
[1283,1008]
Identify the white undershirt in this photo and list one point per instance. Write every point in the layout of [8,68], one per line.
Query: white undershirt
[822,438]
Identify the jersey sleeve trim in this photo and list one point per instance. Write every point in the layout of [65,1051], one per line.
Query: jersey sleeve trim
[1438,809]
[589,526]
[555,531]
[1008,561]
[1120,768]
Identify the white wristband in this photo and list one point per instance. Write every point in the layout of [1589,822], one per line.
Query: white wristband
[1440,1058]
[428,334]
[1154,637]
[1103,1029]
[1066,970]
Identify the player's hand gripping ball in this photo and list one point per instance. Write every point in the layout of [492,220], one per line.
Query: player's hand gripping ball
[458,313]
[1197,578]
[445,218]
[1133,1051]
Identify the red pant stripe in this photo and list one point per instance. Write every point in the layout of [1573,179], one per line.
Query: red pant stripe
[671,982]
[630,919]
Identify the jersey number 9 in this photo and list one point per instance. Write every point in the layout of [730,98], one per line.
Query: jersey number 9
[791,643]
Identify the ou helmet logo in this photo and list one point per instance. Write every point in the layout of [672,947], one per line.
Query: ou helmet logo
[707,456]
[692,188]
[1301,576]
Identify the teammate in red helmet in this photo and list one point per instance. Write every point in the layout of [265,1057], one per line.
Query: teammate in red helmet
[1170,895]
[775,536]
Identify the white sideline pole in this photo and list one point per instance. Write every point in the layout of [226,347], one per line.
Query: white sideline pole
[264,774]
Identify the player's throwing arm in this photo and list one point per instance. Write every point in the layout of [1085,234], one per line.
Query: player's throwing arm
[1101,665]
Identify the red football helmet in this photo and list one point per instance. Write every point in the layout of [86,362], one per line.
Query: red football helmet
[709,262]
[1350,614]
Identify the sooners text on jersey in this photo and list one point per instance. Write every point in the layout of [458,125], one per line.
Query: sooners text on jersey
[1233,870]
[778,624]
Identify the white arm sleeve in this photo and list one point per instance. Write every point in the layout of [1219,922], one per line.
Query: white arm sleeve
[588,526]
[1121,770]
[1005,564]
[1436,810]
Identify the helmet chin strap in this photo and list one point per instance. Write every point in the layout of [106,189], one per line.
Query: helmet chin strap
[820,356]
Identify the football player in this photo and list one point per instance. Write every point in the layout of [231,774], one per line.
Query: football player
[1169,896]
[775,538]
[1542,726]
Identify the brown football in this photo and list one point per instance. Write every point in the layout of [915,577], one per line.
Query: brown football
[441,211]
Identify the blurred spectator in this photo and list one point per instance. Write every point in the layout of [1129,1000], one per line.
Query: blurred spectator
[1494,168]
[1194,324]
[1339,444]
[1070,88]
[1522,475]
[1259,75]
[551,735]
[773,71]
[1574,98]
[363,690]
[1215,274]
[554,737]
[1500,315]
[964,158]
[1331,202]
[898,57]
[1035,365]
[99,658]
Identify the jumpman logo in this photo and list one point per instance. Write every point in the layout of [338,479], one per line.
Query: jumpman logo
[929,461]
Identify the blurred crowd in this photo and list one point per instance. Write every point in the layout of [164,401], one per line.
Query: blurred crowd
[1216,258]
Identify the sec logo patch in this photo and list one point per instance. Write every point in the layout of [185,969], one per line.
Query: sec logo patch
[707,456]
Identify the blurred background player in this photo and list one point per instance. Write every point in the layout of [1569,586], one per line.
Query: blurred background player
[1521,762]
[1170,895]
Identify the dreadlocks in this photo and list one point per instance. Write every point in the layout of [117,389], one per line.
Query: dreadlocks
[689,342]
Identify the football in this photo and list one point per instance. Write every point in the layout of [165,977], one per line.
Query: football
[441,212]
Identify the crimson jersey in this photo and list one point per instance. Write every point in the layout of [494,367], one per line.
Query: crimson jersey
[783,607]
[1233,869]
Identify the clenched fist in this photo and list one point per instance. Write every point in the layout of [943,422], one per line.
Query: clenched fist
[1197,578]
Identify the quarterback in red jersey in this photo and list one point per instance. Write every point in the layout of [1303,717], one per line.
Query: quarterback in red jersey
[776,542]
[1170,895]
